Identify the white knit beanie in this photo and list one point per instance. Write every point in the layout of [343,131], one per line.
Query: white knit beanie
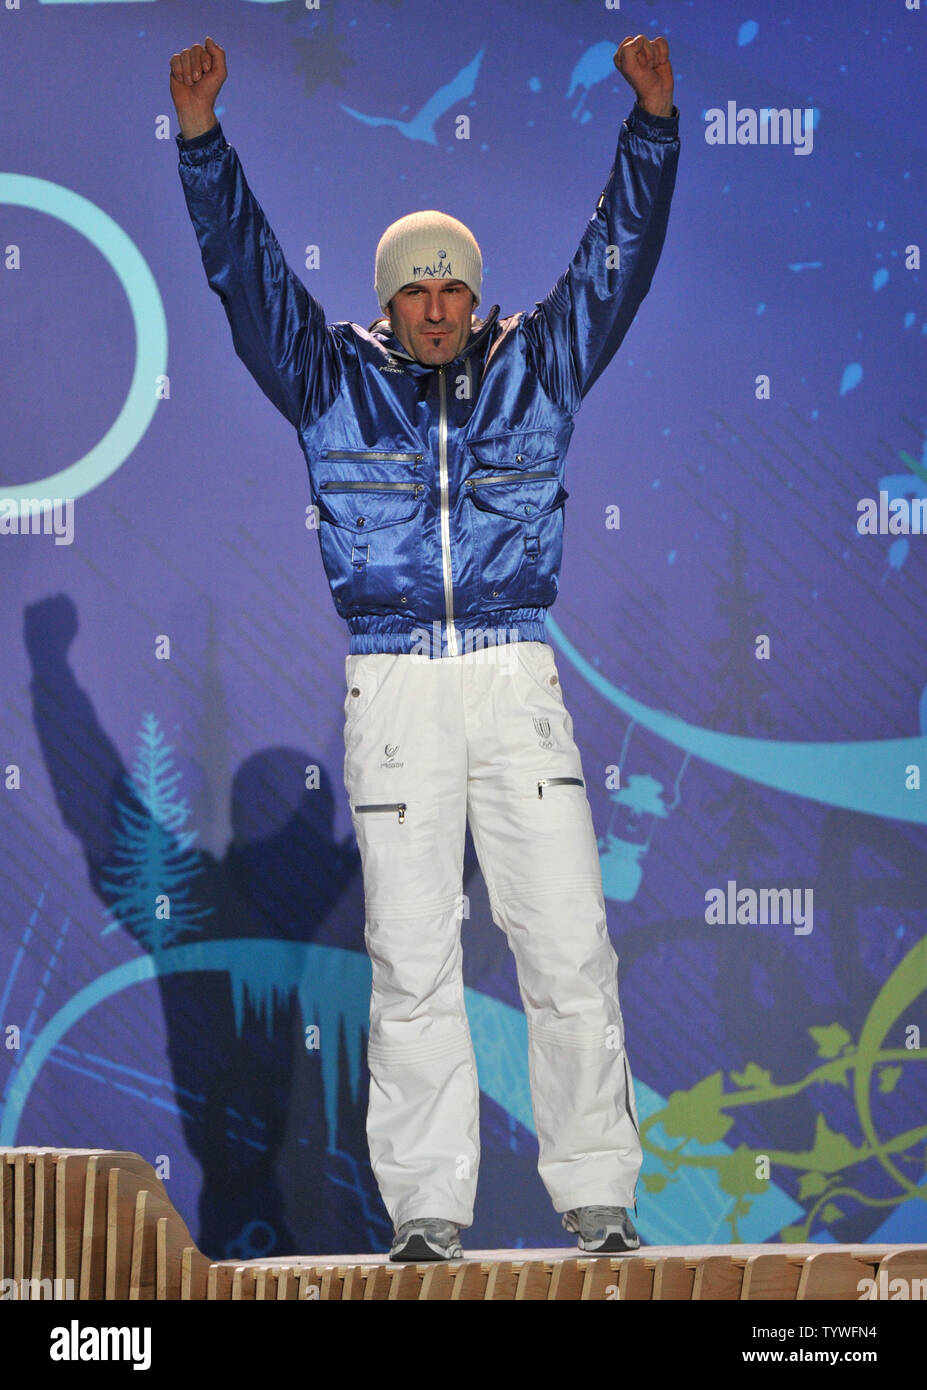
[426,246]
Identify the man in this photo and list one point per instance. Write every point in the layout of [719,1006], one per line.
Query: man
[435,443]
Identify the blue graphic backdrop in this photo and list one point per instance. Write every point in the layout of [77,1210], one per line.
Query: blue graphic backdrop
[780,1076]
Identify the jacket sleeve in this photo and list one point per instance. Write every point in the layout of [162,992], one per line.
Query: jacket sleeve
[572,334]
[278,328]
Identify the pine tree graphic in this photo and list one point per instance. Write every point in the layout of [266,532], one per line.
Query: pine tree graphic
[149,883]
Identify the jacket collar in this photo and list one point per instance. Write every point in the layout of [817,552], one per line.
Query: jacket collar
[482,329]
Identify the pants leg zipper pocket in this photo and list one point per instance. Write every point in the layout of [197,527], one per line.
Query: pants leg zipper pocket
[398,806]
[557,782]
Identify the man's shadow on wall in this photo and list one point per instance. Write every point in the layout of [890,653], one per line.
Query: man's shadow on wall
[283,877]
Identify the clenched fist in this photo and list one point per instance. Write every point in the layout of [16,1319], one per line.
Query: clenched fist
[197,73]
[645,64]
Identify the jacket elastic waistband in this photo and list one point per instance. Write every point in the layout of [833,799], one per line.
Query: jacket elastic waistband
[384,633]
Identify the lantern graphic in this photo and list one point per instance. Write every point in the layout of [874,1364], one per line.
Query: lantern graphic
[637,806]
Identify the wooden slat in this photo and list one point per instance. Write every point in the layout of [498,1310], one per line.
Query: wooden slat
[673,1280]
[194,1274]
[91,1259]
[635,1280]
[438,1282]
[220,1280]
[469,1282]
[118,1238]
[771,1278]
[43,1228]
[355,1279]
[830,1275]
[718,1278]
[6,1217]
[406,1286]
[92,1283]
[332,1282]
[288,1282]
[566,1280]
[23,1198]
[162,1272]
[533,1280]
[377,1283]
[599,1277]
[70,1179]
[142,1262]
[502,1281]
[309,1281]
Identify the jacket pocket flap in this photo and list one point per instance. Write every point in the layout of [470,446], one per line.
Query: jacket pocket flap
[519,449]
[522,499]
[368,507]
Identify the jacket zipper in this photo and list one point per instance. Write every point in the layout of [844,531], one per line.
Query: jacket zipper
[509,477]
[373,454]
[445,519]
[369,485]
[399,806]
[557,782]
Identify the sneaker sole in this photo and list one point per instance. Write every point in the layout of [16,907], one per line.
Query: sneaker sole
[612,1245]
[416,1250]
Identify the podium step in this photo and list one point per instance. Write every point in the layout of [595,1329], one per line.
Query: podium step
[93,1224]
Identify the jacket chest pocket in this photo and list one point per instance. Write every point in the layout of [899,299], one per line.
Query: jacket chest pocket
[371,537]
[517,522]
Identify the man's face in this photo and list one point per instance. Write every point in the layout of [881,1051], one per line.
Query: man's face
[431,318]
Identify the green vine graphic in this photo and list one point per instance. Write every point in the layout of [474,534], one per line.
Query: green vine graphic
[834,1170]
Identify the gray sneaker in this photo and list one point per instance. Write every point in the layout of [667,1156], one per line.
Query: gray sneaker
[602,1230]
[428,1238]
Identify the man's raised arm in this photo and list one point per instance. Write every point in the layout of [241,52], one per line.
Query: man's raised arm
[573,333]
[278,328]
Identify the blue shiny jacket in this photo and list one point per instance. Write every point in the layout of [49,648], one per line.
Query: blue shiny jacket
[439,490]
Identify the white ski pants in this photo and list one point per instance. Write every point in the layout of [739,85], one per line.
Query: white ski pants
[485,737]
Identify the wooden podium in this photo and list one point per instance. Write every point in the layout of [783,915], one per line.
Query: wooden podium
[95,1224]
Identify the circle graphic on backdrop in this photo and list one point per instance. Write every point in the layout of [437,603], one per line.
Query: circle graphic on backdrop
[141,289]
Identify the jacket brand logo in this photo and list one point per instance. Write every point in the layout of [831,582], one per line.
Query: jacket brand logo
[391,749]
[392,366]
[542,729]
